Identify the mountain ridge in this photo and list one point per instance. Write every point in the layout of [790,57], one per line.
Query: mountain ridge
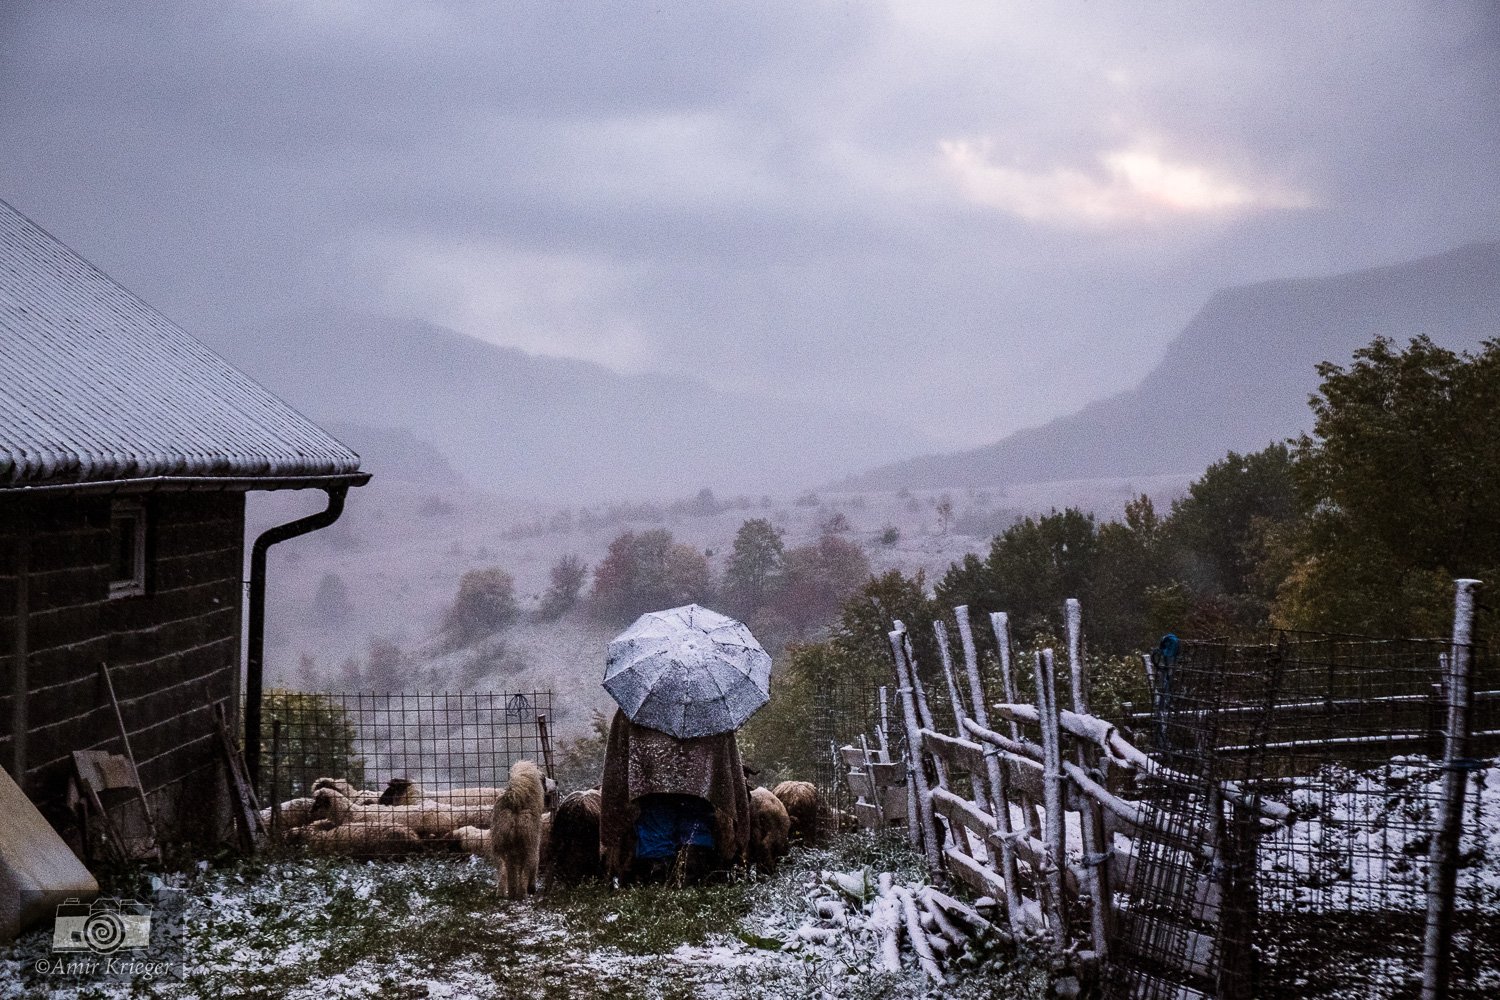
[1236,378]
[511,421]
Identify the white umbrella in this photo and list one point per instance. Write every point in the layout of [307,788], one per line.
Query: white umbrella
[688,672]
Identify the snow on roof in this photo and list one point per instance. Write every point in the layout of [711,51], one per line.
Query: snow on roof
[96,385]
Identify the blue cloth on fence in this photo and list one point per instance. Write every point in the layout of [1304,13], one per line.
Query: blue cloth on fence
[670,822]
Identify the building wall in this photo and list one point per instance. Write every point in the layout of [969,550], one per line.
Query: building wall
[173,652]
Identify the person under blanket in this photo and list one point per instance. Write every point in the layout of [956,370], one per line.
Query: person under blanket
[669,805]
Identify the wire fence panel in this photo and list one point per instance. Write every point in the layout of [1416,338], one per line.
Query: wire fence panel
[844,708]
[1357,749]
[1188,920]
[1348,732]
[424,768]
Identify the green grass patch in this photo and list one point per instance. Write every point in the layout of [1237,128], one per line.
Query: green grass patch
[652,919]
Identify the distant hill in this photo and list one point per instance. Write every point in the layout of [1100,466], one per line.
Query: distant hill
[1237,378]
[548,427]
[393,453]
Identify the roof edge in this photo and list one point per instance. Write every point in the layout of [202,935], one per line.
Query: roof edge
[179,484]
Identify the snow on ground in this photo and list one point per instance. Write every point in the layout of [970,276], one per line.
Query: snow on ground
[434,927]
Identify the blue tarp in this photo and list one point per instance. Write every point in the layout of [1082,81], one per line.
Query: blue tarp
[670,822]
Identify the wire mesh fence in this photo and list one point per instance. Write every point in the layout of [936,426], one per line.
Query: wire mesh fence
[372,772]
[844,708]
[1350,733]
[1191,893]
[1356,747]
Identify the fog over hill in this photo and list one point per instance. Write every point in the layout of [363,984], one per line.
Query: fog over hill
[421,398]
[1237,378]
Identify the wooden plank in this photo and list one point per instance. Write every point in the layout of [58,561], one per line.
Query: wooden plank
[861,786]
[958,752]
[886,773]
[867,815]
[974,873]
[963,812]
[242,794]
[966,814]
[895,804]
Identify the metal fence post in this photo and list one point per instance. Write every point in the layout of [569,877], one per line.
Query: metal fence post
[1443,874]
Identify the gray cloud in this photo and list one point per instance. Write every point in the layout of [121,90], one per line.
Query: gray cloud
[759,188]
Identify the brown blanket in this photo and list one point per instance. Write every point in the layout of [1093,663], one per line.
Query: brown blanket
[640,761]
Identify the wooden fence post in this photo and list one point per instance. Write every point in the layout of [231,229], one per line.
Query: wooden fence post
[883,734]
[998,779]
[1054,847]
[976,786]
[1096,848]
[916,777]
[544,736]
[1443,872]
[924,712]
[1000,625]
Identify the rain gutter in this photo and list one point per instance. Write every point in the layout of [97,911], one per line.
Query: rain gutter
[255,644]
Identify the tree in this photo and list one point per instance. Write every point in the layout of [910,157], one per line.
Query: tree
[331,604]
[1129,561]
[648,572]
[944,512]
[567,578]
[1397,481]
[754,567]
[818,578]
[317,739]
[485,603]
[1033,566]
[1218,534]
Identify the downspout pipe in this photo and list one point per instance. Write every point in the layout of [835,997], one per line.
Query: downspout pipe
[255,645]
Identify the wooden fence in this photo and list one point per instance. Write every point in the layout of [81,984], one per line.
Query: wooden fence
[1161,874]
[1025,809]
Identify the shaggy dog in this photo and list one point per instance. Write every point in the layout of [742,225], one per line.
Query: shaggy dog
[573,842]
[769,829]
[801,801]
[516,830]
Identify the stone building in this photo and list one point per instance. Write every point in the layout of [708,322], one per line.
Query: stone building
[126,452]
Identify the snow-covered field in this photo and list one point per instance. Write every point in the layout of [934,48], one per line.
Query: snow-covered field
[324,929]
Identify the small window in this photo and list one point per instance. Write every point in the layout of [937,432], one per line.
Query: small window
[127,562]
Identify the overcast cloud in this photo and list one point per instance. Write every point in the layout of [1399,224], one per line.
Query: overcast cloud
[973,216]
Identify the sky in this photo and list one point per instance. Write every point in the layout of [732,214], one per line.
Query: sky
[970,217]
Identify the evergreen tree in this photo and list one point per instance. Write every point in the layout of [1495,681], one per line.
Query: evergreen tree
[754,567]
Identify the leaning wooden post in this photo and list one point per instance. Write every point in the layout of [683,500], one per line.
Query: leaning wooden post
[1054,853]
[544,735]
[1442,880]
[999,781]
[945,654]
[924,713]
[1096,848]
[916,777]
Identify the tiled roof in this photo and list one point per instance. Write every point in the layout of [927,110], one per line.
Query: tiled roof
[96,385]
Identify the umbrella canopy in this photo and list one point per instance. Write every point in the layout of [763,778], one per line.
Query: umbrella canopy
[688,672]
